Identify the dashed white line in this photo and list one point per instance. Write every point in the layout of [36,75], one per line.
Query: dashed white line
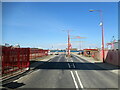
[68,65]
[79,79]
[73,65]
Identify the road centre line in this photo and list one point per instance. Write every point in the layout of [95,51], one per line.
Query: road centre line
[73,77]
[80,83]
[79,79]
[68,65]
[74,80]
[73,65]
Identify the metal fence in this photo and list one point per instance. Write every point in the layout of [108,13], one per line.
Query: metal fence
[35,53]
[14,59]
[18,59]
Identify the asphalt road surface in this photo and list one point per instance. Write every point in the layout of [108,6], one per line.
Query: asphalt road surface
[64,72]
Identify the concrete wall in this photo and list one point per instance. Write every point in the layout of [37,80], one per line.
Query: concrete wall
[111,56]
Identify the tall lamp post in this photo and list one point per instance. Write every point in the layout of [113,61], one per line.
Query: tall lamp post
[69,44]
[101,24]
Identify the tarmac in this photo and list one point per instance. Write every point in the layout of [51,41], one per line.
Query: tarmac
[33,65]
[108,66]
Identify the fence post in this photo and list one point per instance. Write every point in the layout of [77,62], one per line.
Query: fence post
[18,58]
[28,57]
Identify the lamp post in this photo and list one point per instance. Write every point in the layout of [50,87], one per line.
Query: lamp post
[101,24]
[69,44]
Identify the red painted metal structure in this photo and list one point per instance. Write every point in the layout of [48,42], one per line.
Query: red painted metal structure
[17,59]
[35,53]
[14,59]
[90,52]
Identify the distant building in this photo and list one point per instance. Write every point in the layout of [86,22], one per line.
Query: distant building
[90,52]
[73,49]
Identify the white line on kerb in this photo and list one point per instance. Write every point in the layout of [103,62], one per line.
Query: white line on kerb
[74,80]
[79,79]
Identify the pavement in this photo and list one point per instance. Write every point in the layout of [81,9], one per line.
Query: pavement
[72,73]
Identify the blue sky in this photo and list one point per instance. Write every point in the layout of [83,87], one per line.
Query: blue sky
[41,24]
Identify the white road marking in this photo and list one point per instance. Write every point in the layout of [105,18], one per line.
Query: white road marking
[59,58]
[78,59]
[66,58]
[73,65]
[68,65]
[71,60]
[74,80]
[49,60]
[79,79]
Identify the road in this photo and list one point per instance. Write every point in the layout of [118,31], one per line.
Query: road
[64,72]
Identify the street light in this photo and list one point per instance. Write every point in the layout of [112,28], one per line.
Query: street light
[69,44]
[101,24]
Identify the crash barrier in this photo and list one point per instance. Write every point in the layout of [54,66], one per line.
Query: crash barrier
[14,59]
[35,53]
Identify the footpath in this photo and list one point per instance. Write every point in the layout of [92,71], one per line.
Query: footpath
[110,67]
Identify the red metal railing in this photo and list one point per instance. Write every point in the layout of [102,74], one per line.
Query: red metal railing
[14,59]
[35,53]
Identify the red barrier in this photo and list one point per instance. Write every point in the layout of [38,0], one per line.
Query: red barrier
[17,59]
[35,53]
[14,59]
